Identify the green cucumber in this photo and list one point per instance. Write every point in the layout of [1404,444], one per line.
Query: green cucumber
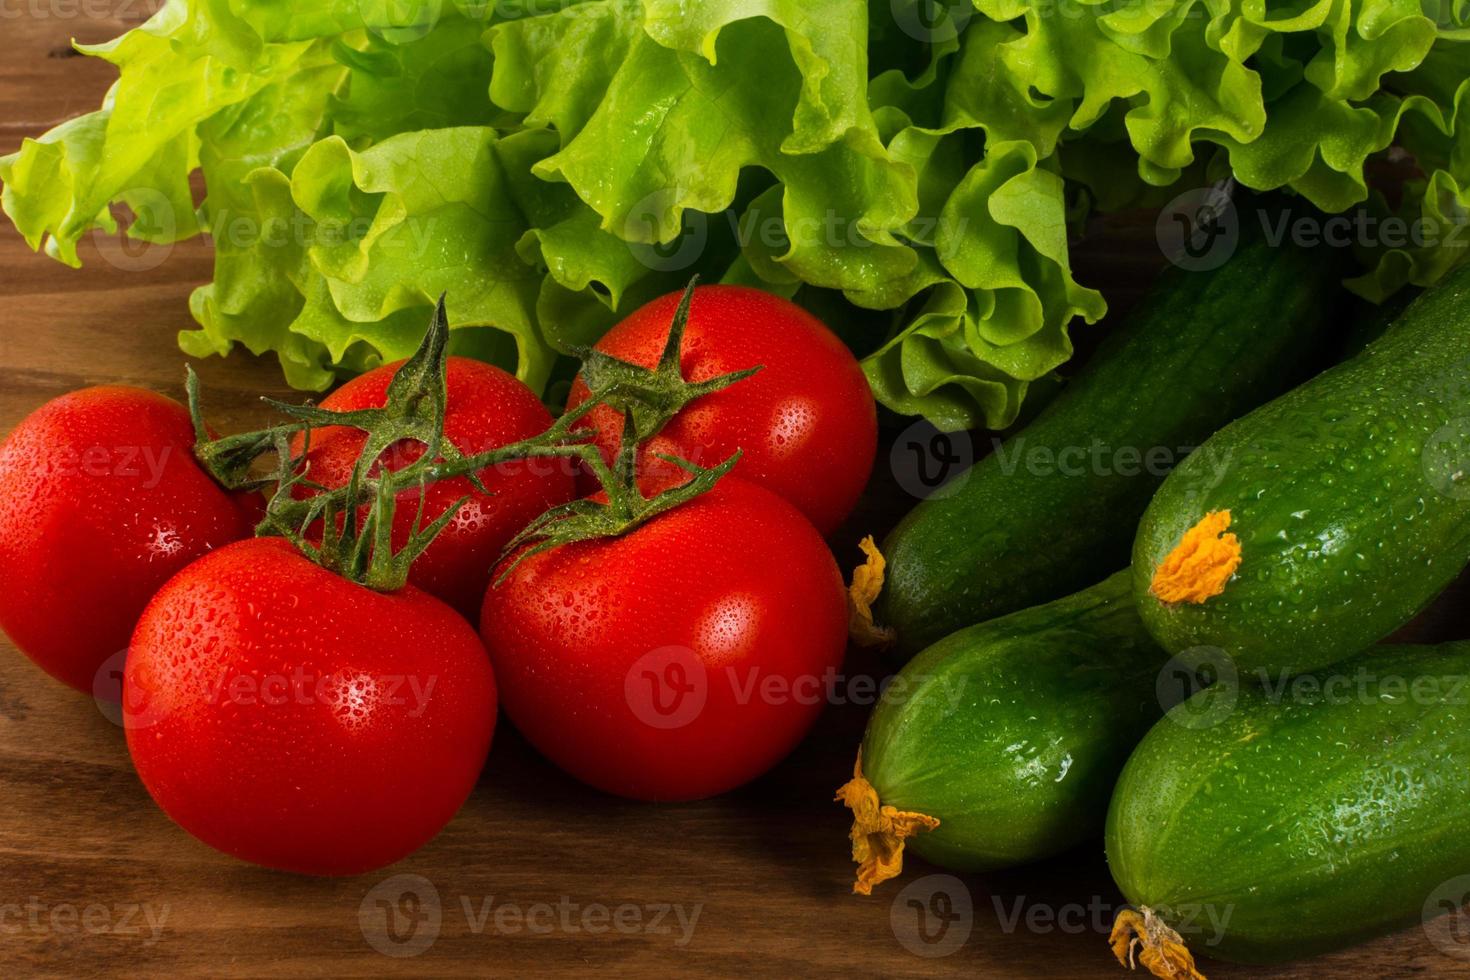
[1266,824]
[1368,321]
[1349,500]
[1011,733]
[1052,510]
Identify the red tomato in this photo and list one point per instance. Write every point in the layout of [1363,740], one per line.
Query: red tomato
[486,408]
[287,716]
[101,501]
[680,660]
[806,421]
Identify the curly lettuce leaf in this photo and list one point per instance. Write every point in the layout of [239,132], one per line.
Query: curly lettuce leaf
[188,62]
[687,105]
[396,225]
[929,369]
[553,166]
[992,298]
[276,288]
[1427,232]
[434,82]
[1301,97]
[664,129]
[1000,296]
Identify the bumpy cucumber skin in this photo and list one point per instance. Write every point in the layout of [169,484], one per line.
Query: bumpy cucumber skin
[1344,534]
[1202,349]
[1012,732]
[1314,825]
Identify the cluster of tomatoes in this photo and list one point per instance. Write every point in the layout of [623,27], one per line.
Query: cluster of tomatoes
[294,718]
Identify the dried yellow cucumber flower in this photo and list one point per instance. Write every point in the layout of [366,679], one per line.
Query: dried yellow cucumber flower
[878,831]
[867,582]
[1141,937]
[1200,565]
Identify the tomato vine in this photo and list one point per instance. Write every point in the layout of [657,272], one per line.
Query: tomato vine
[356,519]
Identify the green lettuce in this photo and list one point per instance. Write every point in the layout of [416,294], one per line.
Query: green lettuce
[912,171]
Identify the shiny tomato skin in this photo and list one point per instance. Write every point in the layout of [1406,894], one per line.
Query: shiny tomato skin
[101,501]
[291,718]
[486,408]
[680,660]
[806,421]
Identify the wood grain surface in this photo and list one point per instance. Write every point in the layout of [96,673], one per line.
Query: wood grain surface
[538,875]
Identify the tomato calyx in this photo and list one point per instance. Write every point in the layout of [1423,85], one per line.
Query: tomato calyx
[626,508]
[648,400]
[355,520]
[230,460]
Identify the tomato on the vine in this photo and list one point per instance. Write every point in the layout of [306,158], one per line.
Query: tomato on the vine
[806,422]
[101,501]
[679,660]
[292,718]
[486,409]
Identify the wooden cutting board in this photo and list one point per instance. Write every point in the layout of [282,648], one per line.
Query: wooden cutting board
[537,875]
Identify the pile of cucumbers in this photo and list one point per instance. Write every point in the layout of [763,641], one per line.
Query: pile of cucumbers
[1315,788]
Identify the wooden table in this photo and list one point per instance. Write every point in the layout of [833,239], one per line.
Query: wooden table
[94,878]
